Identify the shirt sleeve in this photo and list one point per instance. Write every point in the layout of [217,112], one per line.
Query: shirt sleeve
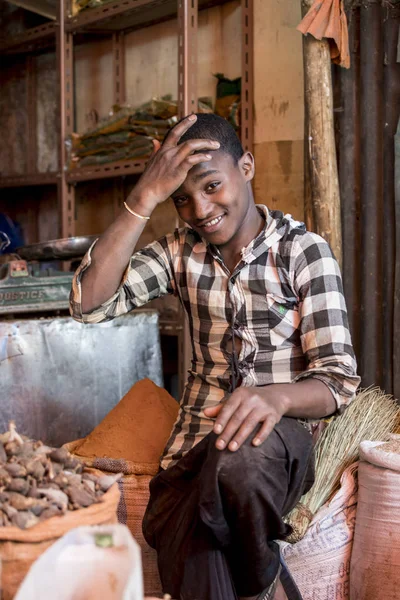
[148,276]
[324,328]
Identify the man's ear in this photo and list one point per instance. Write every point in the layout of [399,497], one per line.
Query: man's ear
[247,167]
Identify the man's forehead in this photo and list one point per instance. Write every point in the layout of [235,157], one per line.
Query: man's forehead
[220,162]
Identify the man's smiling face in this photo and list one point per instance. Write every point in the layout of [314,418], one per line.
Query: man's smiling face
[216,196]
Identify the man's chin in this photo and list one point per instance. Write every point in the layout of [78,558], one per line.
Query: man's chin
[217,239]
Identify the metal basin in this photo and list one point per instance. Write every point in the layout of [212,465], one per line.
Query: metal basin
[63,249]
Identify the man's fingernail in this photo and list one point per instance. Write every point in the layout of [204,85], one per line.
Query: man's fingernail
[217,428]
[217,144]
[192,118]
[256,442]
[208,156]
[221,444]
[233,446]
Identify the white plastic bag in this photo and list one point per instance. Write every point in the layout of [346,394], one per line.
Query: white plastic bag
[320,562]
[87,563]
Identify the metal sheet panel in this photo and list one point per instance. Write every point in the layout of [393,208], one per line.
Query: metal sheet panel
[58,378]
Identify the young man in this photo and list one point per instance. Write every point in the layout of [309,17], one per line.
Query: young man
[271,353]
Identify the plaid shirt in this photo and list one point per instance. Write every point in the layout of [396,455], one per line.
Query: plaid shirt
[284,301]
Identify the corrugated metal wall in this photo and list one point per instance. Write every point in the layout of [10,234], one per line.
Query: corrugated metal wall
[367,109]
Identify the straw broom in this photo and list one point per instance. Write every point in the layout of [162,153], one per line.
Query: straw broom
[373,415]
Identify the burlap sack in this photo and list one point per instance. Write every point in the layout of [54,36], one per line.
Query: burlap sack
[135,495]
[113,465]
[19,549]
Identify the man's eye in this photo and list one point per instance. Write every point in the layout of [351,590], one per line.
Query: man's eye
[179,200]
[212,186]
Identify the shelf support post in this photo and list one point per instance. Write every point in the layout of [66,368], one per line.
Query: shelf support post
[187,56]
[187,103]
[119,67]
[66,192]
[247,99]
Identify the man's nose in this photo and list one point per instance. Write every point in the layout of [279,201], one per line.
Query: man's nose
[201,208]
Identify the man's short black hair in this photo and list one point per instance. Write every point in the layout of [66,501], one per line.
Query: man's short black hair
[213,127]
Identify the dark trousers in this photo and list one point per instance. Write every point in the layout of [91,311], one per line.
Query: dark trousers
[212,515]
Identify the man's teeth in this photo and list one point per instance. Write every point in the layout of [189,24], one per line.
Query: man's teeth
[213,222]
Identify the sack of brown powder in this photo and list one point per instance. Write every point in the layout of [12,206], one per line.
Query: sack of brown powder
[132,437]
[130,440]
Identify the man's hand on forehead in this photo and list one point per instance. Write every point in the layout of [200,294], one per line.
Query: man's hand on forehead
[170,163]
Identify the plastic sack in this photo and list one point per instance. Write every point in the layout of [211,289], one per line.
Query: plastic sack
[320,561]
[375,562]
[19,548]
[88,562]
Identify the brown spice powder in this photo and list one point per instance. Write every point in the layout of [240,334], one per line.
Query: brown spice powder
[136,429]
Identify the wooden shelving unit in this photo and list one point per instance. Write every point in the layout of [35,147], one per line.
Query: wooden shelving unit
[116,19]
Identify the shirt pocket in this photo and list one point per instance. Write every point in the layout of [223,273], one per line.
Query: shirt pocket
[284,321]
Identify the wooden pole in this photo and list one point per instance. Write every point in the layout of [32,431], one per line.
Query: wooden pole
[320,141]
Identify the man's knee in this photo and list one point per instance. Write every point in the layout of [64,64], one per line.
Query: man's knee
[243,466]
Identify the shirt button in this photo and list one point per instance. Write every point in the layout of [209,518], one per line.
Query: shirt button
[243,366]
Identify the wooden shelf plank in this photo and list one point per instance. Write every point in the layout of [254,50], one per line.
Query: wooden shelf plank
[9,181]
[30,40]
[131,167]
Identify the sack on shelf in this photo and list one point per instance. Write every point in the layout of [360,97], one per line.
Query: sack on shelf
[228,99]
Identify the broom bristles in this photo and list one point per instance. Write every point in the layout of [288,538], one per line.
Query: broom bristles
[373,415]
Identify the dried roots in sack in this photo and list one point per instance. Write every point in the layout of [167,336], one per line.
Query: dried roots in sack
[38,482]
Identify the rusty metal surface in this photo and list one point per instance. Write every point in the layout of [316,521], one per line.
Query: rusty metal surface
[65,191]
[60,378]
[119,169]
[187,57]
[349,173]
[129,14]
[119,67]
[31,40]
[367,117]
[371,111]
[11,181]
[247,93]
[391,90]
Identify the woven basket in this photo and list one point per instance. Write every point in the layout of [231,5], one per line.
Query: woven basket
[19,549]
[135,493]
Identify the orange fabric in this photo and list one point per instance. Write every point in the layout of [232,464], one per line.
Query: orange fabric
[327,19]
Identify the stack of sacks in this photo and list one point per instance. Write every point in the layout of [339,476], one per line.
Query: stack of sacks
[130,440]
[126,134]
